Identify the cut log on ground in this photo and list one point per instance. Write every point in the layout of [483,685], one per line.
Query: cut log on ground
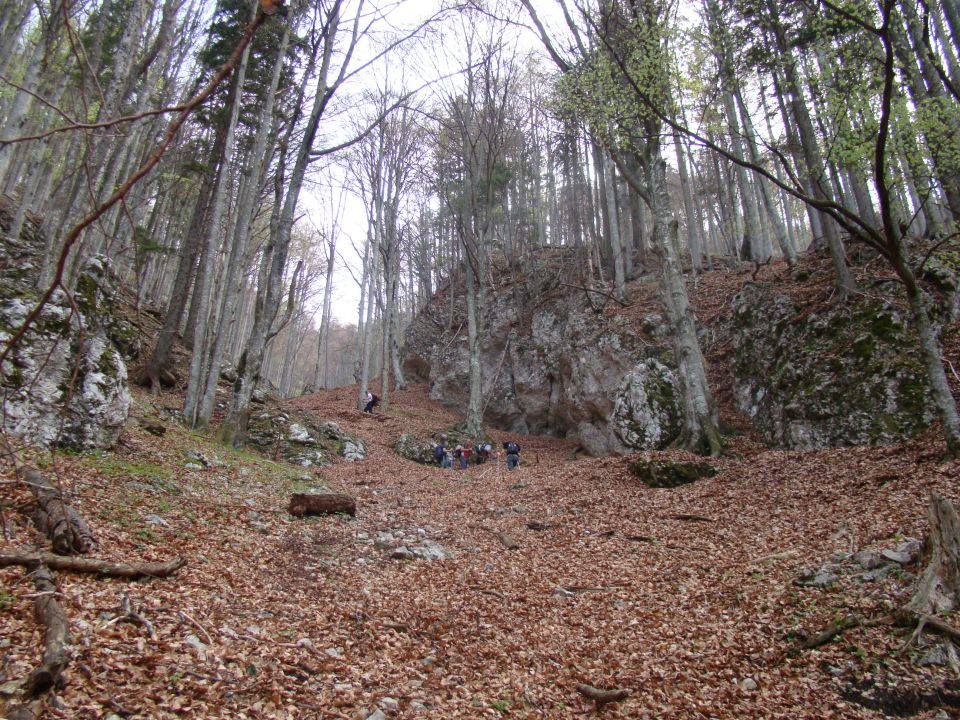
[321,504]
[48,674]
[131,571]
[67,531]
[602,697]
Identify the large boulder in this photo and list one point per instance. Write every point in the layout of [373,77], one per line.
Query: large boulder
[646,413]
[551,363]
[842,374]
[65,381]
[302,439]
[666,472]
[416,448]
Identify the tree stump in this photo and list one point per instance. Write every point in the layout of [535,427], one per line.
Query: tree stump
[322,504]
[939,587]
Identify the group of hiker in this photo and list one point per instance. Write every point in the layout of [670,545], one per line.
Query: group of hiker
[463,454]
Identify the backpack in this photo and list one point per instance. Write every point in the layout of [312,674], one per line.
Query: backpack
[438,452]
[376,399]
[513,448]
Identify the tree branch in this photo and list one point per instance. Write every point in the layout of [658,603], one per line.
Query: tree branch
[107,568]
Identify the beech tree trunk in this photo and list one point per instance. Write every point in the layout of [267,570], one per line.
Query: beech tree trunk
[700,431]
[199,361]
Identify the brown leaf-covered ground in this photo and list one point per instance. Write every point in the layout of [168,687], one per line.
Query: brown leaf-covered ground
[275,617]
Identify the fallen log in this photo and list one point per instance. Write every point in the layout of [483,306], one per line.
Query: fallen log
[64,527]
[56,636]
[322,504]
[131,571]
[602,697]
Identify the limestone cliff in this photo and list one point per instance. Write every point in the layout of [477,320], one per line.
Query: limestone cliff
[65,382]
[846,373]
[551,363]
[840,374]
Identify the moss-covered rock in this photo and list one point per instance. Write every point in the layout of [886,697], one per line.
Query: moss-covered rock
[843,374]
[668,473]
[302,439]
[415,448]
[65,382]
[646,412]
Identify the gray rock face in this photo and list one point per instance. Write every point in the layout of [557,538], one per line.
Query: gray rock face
[426,550]
[415,448]
[843,375]
[37,379]
[646,413]
[818,578]
[302,439]
[551,365]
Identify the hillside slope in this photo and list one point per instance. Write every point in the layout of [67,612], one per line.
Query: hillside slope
[684,596]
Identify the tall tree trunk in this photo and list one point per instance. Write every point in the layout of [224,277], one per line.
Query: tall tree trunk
[198,374]
[779,231]
[156,366]
[700,430]
[320,377]
[473,422]
[815,167]
[693,237]
[234,427]
[613,226]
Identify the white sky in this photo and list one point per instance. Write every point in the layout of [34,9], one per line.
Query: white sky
[414,65]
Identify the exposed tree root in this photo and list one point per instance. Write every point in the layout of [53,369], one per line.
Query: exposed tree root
[835,629]
[841,626]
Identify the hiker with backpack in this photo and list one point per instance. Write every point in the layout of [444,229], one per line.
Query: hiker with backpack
[440,451]
[372,402]
[465,452]
[513,454]
[483,452]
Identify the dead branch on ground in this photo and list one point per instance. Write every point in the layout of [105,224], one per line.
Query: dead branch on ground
[131,571]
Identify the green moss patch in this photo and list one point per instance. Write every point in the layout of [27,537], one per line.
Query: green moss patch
[665,473]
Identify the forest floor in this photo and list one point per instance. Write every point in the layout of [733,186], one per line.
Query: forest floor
[684,596]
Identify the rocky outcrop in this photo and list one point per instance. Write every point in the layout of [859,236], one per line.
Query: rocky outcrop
[842,374]
[659,472]
[301,439]
[415,448]
[551,364]
[65,382]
